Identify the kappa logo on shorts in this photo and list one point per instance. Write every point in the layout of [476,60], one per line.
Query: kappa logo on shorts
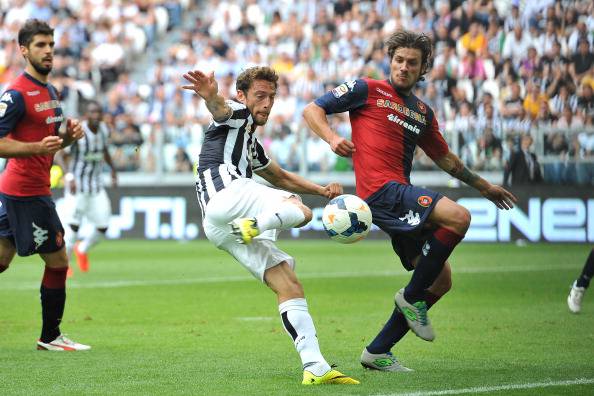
[412,218]
[40,235]
[424,201]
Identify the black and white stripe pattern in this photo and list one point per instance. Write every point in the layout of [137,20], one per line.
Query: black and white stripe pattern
[229,151]
[87,159]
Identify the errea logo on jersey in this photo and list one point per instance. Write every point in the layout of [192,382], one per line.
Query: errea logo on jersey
[343,88]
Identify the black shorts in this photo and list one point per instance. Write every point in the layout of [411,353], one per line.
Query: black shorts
[31,223]
[401,211]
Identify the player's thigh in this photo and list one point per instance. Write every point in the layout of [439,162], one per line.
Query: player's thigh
[402,209]
[257,257]
[242,198]
[7,252]
[99,210]
[450,214]
[35,225]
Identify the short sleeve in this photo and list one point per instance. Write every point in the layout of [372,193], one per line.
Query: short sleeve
[12,110]
[346,97]
[260,159]
[238,116]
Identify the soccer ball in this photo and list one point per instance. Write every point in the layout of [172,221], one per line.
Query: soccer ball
[347,219]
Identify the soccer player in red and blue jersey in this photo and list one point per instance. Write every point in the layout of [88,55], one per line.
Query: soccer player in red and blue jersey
[388,121]
[30,120]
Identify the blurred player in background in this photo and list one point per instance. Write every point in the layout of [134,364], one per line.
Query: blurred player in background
[229,196]
[84,193]
[30,119]
[388,122]
[579,286]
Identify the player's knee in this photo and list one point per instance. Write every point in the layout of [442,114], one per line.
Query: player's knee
[307,213]
[460,219]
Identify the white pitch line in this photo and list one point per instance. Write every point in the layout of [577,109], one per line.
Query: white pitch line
[76,284]
[484,389]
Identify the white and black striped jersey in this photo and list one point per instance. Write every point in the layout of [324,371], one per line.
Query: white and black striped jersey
[230,151]
[87,159]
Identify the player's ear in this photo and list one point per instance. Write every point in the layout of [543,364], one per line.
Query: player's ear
[241,96]
[24,51]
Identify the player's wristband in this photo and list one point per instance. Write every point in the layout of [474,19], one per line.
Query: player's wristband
[69,177]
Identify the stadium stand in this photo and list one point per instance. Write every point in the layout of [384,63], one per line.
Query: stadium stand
[501,69]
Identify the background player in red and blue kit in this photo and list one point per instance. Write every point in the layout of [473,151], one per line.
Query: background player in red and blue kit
[30,119]
[388,121]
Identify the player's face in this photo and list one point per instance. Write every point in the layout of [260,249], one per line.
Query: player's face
[40,53]
[405,68]
[94,116]
[259,100]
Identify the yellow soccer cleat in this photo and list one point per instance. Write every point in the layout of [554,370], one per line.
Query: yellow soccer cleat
[331,377]
[245,228]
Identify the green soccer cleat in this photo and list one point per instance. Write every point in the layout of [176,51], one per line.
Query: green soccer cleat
[331,377]
[382,362]
[416,316]
[245,228]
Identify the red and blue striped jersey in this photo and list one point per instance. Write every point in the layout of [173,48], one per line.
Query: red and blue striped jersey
[386,128]
[29,111]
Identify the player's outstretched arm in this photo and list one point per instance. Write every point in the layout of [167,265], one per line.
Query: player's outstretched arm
[10,148]
[502,198]
[316,119]
[206,86]
[290,181]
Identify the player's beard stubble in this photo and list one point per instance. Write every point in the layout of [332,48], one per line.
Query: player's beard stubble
[39,68]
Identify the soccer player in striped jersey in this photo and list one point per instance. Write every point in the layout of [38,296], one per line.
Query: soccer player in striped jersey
[84,192]
[243,217]
[388,122]
[30,135]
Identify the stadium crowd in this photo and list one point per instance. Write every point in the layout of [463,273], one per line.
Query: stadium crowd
[502,69]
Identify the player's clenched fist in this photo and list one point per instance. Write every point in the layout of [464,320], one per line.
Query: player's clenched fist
[342,146]
[50,144]
[332,190]
[74,129]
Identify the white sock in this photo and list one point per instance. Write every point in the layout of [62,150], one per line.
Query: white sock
[70,241]
[91,240]
[283,217]
[299,325]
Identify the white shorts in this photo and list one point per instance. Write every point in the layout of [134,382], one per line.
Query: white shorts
[96,208]
[245,198]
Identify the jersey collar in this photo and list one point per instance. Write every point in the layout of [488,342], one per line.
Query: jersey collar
[33,79]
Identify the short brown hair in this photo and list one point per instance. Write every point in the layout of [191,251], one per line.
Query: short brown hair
[248,76]
[408,39]
[31,28]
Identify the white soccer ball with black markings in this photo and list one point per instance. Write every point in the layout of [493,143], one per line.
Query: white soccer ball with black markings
[347,219]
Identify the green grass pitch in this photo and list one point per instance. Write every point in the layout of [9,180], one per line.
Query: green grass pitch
[184,318]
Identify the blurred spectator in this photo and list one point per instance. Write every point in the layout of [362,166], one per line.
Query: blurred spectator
[523,166]
[182,161]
